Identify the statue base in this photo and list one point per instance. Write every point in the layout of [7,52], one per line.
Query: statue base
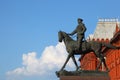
[83,75]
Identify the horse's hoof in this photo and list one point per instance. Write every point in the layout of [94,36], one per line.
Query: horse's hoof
[58,73]
[96,69]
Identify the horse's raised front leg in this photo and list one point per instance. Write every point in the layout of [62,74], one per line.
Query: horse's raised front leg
[68,57]
[73,58]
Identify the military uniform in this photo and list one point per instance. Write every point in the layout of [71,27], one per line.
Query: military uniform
[80,30]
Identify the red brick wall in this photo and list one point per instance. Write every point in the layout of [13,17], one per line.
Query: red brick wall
[113,60]
[88,62]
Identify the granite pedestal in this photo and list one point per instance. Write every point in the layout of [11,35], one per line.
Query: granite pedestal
[83,75]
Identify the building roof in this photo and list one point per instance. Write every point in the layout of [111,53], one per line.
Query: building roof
[106,28]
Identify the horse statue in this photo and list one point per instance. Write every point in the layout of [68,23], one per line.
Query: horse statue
[86,47]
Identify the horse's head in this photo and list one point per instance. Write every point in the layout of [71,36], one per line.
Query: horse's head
[62,35]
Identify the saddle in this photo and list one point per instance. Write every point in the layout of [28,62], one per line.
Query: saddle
[82,48]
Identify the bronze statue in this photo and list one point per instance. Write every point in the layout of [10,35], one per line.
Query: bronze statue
[86,47]
[80,30]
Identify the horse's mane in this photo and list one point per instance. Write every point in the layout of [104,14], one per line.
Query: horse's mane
[68,37]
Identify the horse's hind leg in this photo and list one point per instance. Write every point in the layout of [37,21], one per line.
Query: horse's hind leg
[97,53]
[104,62]
[98,66]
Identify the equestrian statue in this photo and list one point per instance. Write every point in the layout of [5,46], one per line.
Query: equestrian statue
[82,47]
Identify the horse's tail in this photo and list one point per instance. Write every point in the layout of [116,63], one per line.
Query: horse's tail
[108,45]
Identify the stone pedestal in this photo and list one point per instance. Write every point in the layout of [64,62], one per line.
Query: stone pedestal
[84,78]
[83,75]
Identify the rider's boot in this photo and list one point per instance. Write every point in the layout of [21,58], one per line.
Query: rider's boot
[79,47]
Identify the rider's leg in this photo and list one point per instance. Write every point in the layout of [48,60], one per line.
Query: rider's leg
[80,38]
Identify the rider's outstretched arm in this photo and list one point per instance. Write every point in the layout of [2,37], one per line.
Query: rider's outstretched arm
[72,32]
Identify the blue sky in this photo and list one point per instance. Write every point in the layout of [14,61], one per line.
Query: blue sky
[29,27]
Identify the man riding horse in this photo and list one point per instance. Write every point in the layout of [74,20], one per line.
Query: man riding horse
[80,30]
[80,47]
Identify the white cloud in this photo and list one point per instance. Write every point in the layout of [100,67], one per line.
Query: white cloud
[52,58]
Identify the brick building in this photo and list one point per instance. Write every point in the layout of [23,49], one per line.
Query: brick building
[107,30]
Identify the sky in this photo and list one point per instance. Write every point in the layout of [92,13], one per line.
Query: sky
[29,46]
